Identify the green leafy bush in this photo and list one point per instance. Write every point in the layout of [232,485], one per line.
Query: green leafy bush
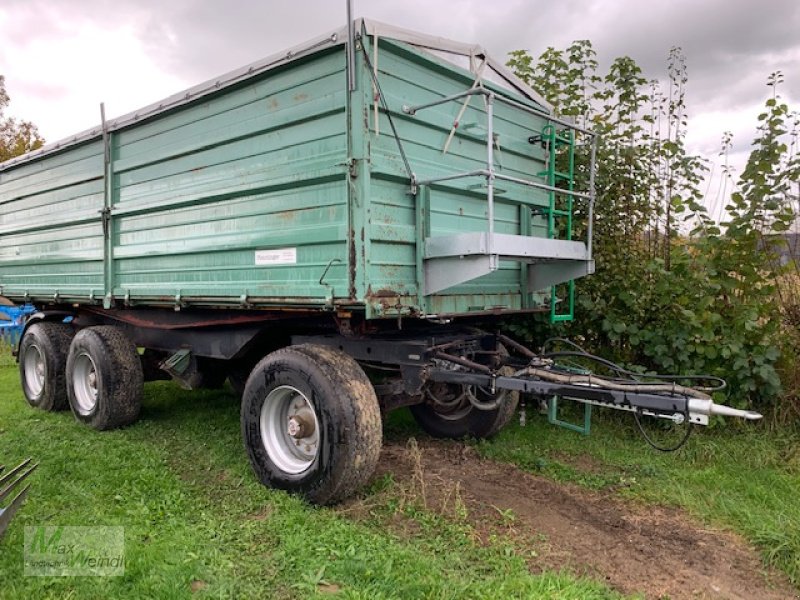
[674,290]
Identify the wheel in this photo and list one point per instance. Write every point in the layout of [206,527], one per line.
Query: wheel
[311,423]
[42,364]
[104,378]
[448,413]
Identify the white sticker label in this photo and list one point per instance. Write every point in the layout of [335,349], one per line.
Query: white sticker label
[280,256]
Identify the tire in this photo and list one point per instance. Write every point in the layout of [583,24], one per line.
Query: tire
[323,396]
[104,378]
[42,365]
[468,421]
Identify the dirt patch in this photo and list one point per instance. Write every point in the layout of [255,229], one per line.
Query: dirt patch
[657,551]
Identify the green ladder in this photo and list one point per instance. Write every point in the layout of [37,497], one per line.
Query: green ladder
[554,140]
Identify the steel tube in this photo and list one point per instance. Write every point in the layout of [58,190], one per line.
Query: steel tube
[545,115]
[410,110]
[464,362]
[541,186]
[592,196]
[490,166]
[351,52]
[485,173]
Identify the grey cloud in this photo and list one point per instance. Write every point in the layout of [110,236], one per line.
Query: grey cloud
[731,45]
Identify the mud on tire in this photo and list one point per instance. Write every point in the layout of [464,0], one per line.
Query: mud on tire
[311,423]
[42,365]
[104,378]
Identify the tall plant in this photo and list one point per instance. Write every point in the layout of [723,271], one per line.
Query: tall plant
[664,297]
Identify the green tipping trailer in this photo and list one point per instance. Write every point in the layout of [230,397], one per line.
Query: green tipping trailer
[324,211]
[274,186]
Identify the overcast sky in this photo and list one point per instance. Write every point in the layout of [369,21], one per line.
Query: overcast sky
[61,58]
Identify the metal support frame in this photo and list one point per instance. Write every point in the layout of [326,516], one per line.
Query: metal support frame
[447,356]
[351,52]
[552,417]
[105,214]
[13,482]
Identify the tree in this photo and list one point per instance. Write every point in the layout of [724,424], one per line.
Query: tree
[675,291]
[16,137]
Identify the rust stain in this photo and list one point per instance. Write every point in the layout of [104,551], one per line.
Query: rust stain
[272,104]
[352,264]
[300,97]
[286,215]
[385,293]
[168,320]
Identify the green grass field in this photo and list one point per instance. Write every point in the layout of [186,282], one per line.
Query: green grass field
[198,524]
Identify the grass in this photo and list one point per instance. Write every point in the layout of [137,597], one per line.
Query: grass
[743,478]
[197,523]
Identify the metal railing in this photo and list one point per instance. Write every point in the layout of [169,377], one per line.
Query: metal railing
[492,175]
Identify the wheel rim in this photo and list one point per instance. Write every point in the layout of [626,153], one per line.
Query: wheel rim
[84,383]
[35,370]
[289,429]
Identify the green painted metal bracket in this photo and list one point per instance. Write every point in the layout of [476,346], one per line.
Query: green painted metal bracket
[552,417]
[178,362]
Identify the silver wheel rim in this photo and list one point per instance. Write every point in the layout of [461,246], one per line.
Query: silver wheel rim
[34,369]
[289,429]
[84,383]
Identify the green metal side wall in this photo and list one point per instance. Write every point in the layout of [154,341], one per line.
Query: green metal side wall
[194,195]
[51,236]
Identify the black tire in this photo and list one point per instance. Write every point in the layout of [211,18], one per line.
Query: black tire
[346,420]
[470,422]
[104,378]
[42,365]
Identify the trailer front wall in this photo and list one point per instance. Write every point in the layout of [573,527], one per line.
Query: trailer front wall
[409,76]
